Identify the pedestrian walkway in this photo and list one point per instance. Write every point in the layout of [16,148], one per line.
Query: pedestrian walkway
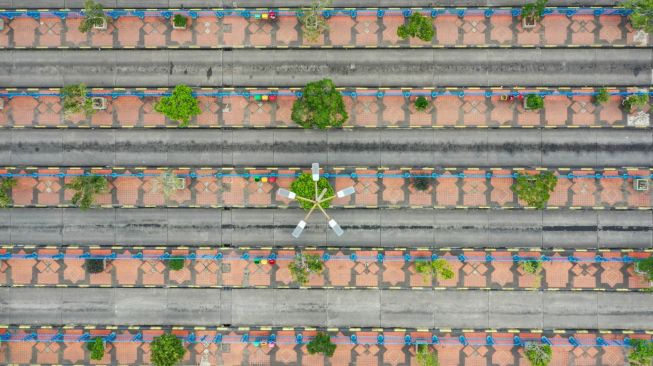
[375,188]
[271,346]
[348,28]
[607,270]
[381,108]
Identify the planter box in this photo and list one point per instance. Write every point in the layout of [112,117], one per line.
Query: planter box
[99,103]
[101,26]
[2,104]
[640,185]
[638,119]
[2,24]
[528,22]
[180,183]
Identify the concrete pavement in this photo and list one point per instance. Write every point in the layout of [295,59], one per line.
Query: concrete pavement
[387,68]
[326,308]
[363,227]
[477,148]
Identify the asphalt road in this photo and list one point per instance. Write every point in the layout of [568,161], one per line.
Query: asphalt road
[327,308]
[363,228]
[469,147]
[355,67]
[40,4]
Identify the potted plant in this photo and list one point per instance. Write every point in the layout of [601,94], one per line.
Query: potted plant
[179,21]
[99,103]
[538,354]
[531,13]
[533,102]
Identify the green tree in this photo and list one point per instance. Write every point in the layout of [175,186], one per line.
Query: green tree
[321,106]
[303,265]
[86,187]
[635,101]
[312,20]
[438,268]
[421,103]
[534,10]
[176,264]
[642,15]
[602,96]
[534,102]
[6,185]
[426,357]
[180,20]
[93,16]
[97,348]
[641,353]
[180,106]
[304,187]
[535,189]
[94,265]
[418,26]
[321,343]
[75,100]
[538,354]
[166,350]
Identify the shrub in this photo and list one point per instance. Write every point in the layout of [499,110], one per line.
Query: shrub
[641,353]
[166,350]
[97,348]
[94,265]
[418,26]
[86,187]
[646,266]
[313,22]
[602,96]
[531,266]
[421,103]
[179,20]
[642,15]
[304,186]
[75,100]
[421,183]
[425,357]
[304,265]
[438,268]
[93,15]
[180,106]
[534,10]
[321,106]
[634,101]
[534,102]
[176,264]
[321,343]
[535,189]
[6,185]
[538,354]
